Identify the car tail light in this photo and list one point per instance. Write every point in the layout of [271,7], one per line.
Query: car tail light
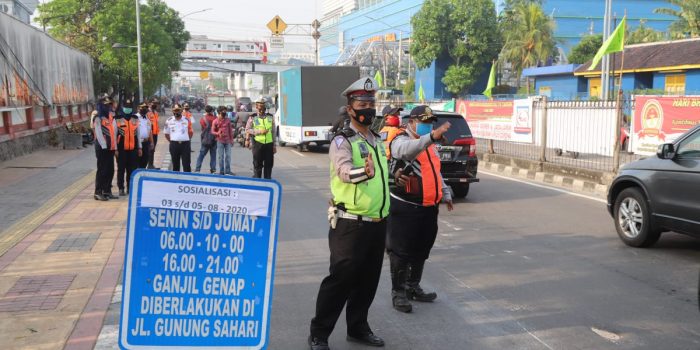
[470,144]
[309,133]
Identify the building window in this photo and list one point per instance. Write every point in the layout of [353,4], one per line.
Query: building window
[200,46]
[675,84]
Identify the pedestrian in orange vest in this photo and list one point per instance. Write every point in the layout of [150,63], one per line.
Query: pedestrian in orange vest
[128,145]
[153,117]
[105,149]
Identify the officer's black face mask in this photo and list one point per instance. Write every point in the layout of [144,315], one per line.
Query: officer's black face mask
[364,116]
[143,111]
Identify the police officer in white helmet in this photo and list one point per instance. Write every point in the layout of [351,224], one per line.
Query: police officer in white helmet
[360,188]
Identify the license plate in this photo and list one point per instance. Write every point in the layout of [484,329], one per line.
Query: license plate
[445,155]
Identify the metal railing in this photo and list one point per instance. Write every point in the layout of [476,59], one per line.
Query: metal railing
[575,134]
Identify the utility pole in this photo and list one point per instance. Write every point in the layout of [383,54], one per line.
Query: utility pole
[605,64]
[138,48]
[316,35]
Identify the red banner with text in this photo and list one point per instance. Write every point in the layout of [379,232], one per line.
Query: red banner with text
[659,120]
[488,119]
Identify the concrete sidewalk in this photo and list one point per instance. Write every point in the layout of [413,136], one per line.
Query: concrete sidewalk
[59,265]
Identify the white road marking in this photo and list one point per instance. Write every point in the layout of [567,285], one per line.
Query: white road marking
[460,282]
[297,153]
[545,187]
[610,336]
[448,224]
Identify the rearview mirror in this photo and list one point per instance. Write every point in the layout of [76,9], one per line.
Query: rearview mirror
[666,151]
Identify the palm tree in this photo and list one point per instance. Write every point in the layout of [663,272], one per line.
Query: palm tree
[529,37]
[688,14]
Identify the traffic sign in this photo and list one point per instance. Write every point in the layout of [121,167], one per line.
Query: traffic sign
[276,42]
[277,25]
[199,261]
[204,75]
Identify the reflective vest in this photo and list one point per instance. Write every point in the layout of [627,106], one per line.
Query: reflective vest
[188,115]
[426,187]
[369,198]
[388,133]
[127,137]
[266,124]
[109,132]
[153,117]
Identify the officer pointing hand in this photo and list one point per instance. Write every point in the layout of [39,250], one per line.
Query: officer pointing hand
[438,134]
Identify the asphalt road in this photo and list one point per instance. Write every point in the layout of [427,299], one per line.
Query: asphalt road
[515,266]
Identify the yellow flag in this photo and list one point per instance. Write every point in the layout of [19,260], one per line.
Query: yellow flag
[492,81]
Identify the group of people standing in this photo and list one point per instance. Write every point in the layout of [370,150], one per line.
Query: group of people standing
[131,137]
[380,202]
[125,134]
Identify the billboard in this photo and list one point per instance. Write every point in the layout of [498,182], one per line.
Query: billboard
[499,120]
[662,119]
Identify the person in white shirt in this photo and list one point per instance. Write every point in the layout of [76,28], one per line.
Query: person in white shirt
[145,135]
[178,131]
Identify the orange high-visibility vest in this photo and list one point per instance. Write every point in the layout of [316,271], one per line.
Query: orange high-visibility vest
[153,117]
[388,133]
[127,134]
[109,132]
[425,189]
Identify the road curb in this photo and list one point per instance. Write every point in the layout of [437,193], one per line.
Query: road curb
[567,182]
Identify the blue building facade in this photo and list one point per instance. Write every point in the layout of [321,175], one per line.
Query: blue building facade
[574,19]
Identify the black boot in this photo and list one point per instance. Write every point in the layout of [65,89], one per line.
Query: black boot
[413,289]
[399,270]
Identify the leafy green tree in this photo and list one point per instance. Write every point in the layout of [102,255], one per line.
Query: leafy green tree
[94,26]
[688,14]
[586,49]
[643,34]
[463,31]
[528,36]
[410,87]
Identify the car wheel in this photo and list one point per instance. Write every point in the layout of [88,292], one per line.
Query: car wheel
[461,190]
[633,219]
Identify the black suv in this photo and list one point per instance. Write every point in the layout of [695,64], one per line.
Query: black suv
[458,160]
[660,193]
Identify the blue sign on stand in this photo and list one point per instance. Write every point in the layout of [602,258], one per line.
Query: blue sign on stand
[199,261]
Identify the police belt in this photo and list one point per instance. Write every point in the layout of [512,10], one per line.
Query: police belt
[346,215]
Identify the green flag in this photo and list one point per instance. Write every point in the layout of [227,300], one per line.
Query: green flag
[615,43]
[378,78]
[492,81]
[421,93]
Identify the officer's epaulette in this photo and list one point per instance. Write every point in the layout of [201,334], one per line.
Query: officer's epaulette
[347,132]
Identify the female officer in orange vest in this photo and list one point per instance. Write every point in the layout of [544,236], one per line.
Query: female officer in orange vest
[414,206]
[105,148]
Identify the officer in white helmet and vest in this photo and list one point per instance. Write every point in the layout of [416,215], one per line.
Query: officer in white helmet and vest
[360,188]
[262,131]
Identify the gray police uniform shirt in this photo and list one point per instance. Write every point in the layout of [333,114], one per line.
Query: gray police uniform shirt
[340,153]
[407,149]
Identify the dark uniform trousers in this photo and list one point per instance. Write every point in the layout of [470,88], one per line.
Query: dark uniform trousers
[105,170]
[357,252]
[263,158]
[152,153]
[180,151]
[145,154]
[413,230]
[127,162]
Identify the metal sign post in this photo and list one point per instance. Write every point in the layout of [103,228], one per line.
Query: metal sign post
[199,262]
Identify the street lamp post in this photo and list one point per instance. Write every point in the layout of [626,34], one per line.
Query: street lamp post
[192,13]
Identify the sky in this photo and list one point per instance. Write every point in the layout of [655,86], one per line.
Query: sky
[244,19]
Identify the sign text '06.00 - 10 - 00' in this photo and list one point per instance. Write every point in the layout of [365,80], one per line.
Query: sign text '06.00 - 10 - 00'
[199,262]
